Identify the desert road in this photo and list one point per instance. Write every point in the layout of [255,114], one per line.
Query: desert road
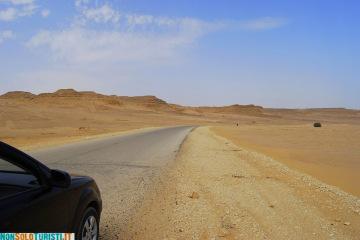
[123,167]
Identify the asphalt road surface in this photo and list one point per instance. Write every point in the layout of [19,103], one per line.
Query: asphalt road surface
[123,166]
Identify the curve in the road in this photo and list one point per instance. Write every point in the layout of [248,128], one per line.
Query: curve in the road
[124,167]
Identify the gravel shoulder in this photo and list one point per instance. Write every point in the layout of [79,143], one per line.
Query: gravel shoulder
[218,190]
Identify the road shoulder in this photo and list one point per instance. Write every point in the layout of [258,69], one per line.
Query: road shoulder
[216,189]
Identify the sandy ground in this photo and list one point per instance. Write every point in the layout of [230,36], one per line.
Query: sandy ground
[236,192]
[217,190]
[330,153]
[66,116]
[30,121]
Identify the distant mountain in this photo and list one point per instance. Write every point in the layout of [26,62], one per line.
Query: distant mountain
[71,97]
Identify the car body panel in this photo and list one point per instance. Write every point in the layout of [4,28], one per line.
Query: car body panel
[45,207]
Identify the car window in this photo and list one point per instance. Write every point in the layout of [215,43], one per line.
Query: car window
[14,179]
[10,167]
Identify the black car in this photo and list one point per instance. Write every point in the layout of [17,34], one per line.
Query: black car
[34,198]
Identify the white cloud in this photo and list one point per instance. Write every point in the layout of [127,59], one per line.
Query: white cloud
[134,19]
[17,9]
[139,37]
[128,36]
[18,2]
[5,35]
[80,3]
[89,12]
[45,13]
[263,23]
[82,45]
[101,14]
[8,14]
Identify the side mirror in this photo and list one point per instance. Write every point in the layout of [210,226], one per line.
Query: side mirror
[60,179]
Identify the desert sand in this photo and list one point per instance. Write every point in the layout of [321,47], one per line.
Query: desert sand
[217,190]
[31,121]
[330,153]
[253,172]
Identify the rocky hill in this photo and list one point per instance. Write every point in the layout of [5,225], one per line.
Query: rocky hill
[71,97]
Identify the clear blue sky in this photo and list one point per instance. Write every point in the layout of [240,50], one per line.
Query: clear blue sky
[270,53]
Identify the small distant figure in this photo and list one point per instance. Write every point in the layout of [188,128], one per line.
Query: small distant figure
[317,124]
[237,124]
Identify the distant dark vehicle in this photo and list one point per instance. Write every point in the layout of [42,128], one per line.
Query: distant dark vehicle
[317,124]
[34,198]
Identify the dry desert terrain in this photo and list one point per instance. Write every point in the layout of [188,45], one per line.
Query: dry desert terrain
[245,172]
[218,190]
